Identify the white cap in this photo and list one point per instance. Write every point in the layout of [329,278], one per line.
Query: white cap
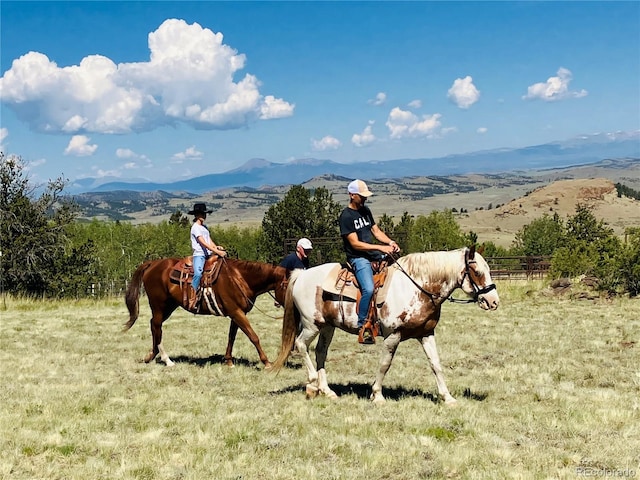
[359,187]
[305,243]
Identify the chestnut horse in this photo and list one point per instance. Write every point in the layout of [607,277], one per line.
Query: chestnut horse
[238,284]
[418,285]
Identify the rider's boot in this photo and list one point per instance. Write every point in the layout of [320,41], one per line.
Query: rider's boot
[193,300]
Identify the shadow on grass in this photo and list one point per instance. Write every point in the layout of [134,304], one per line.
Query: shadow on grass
[363,391]
[215,359]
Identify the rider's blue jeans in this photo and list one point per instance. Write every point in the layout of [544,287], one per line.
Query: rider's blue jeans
[364,275]
[198,267]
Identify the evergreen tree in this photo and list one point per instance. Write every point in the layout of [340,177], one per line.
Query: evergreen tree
[299,214]
[34,245]
[540,237]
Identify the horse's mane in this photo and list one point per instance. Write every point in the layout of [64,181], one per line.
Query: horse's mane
[431,266]
[258,269]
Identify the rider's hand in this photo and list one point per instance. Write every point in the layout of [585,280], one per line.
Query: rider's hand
[394,247]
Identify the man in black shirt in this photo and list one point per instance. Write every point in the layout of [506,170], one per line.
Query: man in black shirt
[299,258]
[358,230]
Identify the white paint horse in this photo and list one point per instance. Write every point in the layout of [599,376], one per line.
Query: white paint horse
[418,287]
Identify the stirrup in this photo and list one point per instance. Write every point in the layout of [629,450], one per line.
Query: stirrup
[366,335]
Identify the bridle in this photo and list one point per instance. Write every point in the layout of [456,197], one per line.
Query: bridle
[477,291]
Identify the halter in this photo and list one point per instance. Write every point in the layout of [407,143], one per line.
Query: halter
[477,291]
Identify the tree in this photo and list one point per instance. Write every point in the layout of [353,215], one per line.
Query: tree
[177,218]
[630,261]
[438,231]
[590,248]
[33,233]
[540,237]
[297,215]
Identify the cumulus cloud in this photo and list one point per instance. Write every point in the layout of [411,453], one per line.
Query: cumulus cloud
[190,153]
[482,130]
[380,99]
[555,88]
[405,124]
[463,92]
[326,143]
[79,146]
[125,153]
[415,104]
[365,138]
[189,78]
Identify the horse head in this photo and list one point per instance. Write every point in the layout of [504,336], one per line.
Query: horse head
[282,282]
[476,280]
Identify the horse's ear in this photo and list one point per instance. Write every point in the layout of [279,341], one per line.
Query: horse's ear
[472,251]
[480,249]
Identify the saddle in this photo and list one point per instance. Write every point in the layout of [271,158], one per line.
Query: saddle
[182,275]
[341,282]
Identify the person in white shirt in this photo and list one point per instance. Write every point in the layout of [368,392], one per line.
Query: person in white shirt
[202,245]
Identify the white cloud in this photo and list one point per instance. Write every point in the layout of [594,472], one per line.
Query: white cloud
[100,173]
[482,130]
[380,99]
[138,160]
[189,154]
[403,124]
[125,153]
[188,78]
[79,146]
[326,143]
[365,138]
[463,92]
[555,88]
[415,104]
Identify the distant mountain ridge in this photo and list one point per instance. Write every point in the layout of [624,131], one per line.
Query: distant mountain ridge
[259,172]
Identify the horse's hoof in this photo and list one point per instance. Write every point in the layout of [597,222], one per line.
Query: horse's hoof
[229,363]
[331,395]
[311,391]
[169,363]
[149,357]
[451,402]
[268,366]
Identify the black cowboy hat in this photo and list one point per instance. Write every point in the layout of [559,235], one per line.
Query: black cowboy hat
[199,208]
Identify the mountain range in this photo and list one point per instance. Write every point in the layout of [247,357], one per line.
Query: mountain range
[257,172]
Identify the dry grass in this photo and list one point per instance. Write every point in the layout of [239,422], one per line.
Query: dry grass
[548,388]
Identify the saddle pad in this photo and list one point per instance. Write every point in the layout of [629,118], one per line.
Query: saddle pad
[183,271]
[330,281]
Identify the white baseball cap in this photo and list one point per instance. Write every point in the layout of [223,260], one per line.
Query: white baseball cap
[305,243]
[359,187]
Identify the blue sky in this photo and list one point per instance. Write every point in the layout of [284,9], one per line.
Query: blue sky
[170,90]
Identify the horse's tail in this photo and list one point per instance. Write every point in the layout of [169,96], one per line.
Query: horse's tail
[133,293]
[290,324]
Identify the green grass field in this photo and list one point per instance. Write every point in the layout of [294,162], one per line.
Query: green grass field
[547,388]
